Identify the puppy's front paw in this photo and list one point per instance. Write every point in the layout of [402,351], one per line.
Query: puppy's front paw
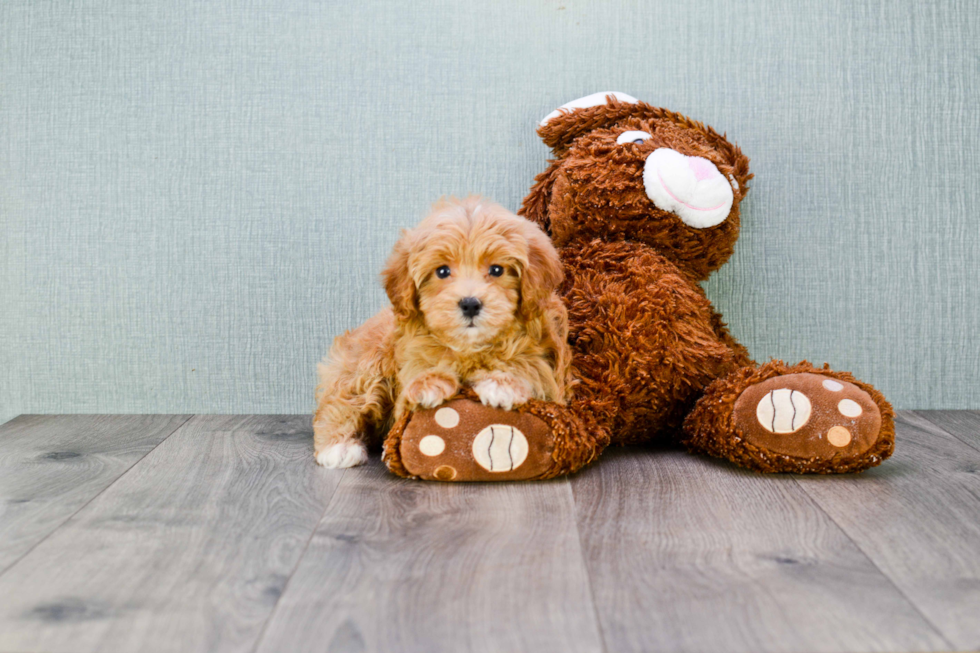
[502,391]
[430,390]
[342,454]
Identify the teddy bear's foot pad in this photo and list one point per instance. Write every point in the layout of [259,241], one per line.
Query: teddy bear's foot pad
[463,440]
[808,416]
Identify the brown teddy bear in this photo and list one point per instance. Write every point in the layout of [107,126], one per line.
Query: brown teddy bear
[643,204]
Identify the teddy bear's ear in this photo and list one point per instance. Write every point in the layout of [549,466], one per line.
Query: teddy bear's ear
[560,127]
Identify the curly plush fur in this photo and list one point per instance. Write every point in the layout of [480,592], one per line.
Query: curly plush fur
[652,357]
[710,429]
[651,353]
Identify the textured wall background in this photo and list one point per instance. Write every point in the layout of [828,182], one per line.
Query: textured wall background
[197,197]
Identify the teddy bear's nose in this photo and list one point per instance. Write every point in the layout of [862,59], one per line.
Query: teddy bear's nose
[690,187]
[702,168]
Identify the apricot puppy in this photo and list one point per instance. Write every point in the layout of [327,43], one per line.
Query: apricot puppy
[472,289]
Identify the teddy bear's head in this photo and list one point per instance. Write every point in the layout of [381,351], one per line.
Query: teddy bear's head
[624,169]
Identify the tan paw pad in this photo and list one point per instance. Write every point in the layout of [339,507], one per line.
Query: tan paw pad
[839,436]
[444,473]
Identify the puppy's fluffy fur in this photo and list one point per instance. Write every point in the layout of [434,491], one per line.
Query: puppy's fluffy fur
[419,352]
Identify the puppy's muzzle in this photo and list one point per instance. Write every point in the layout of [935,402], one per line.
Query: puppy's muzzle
[470,307]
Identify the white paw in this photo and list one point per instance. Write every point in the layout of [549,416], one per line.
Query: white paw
[343,454]
[431,397]
[495,395]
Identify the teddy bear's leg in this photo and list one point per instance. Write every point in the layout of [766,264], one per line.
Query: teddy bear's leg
[792,418]
[463,440]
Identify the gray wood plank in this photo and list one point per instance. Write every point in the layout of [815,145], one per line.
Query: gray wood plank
[188,551]
[964,425]
[691,554]
[402,565]
[918,518]
[52,465]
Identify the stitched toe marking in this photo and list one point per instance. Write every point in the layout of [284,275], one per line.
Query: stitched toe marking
[783,411]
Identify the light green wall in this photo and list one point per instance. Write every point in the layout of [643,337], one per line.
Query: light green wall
[197,197]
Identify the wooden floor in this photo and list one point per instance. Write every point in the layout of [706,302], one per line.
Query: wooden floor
[218,533]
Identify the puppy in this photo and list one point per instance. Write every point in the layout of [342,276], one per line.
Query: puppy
[472,289]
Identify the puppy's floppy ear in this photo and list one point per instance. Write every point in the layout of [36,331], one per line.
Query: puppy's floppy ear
[543,274]
[398,281]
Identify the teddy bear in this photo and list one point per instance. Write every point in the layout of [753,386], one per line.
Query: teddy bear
[642,204]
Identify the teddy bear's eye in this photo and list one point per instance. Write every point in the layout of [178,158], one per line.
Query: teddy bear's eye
[496,271]
[632,137]
[443,271]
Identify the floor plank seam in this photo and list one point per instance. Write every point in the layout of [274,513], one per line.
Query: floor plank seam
[299,559]
[924,414]
[585,566]
[891,581]
[94,497]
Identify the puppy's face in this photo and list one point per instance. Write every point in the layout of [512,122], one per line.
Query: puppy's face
[470,270]
[469,289]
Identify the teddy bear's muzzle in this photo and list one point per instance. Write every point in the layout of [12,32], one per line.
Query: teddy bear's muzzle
[691,187]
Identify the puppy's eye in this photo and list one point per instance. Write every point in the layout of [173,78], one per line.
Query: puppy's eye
[443,271]
[632,137]
[496,271]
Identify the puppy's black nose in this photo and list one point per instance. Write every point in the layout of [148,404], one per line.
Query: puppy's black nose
[470,306]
